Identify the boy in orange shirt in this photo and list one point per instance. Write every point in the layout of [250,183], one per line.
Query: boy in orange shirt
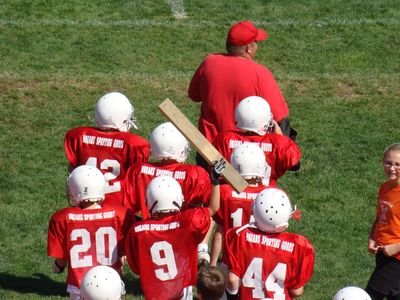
[384,238]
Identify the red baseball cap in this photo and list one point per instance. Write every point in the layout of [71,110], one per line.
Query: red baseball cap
[244,33]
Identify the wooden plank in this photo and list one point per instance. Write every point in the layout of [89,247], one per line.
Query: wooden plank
[200,143]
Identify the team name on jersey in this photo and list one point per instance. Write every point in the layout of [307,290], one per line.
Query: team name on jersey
[160,172]
[102,141]
[266,147]
[91,217]
[269,242]
[244,195]
[157,227]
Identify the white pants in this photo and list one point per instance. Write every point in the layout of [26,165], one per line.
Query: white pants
[74,292]
[187,293]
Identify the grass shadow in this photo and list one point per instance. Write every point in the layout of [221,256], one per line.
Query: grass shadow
[36,284]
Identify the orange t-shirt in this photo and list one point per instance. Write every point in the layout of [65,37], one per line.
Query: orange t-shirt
[387,228]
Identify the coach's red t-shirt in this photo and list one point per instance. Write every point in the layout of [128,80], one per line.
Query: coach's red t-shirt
[222,81]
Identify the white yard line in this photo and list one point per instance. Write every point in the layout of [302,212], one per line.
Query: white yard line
[177,8]
[197,24]
[172,74]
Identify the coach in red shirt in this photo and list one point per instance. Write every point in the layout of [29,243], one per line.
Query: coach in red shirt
[223,79]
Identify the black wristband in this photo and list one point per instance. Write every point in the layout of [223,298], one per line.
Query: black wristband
[61,269]
[231,296]
[215,181]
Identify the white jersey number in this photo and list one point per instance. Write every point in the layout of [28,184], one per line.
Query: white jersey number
[113,169]
[162,254]
[105,243]
[237,218]
[274,283]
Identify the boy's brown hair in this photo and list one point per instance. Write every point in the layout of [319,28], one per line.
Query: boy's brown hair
[210,283]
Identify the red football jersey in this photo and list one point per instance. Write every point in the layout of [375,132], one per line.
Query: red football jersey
[163,252]
[110,151]
[194,180]
[235,208]
[281,152]
[87,238]
[269,264]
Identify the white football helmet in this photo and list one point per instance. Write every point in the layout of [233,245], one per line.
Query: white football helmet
[253,114]
[85,183]
[272,210]
[249,160]
[102,283]
[167,142]
[351,293]
[163,193]
[114,110]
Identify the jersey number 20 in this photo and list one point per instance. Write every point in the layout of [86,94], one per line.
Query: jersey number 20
[106,243]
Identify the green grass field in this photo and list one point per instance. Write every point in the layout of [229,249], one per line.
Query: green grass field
[337,63]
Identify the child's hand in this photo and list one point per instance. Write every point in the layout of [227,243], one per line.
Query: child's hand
[373,247]
[218,168]
[276,128]
[390,250]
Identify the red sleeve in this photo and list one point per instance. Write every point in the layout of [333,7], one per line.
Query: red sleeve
[130,251]
[221,143]
[220,215]
[126,221]
[56,244]
[199,221]
[128,189]
[306,258]
[233,251]
[70,147]
[288,154]
[271,91]
[194,85]
[197,188]
[140,150]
